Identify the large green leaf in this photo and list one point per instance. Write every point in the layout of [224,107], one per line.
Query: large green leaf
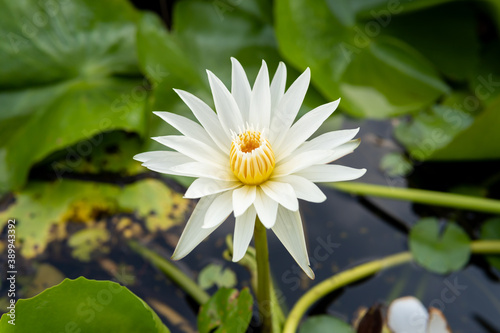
[439,252]
[228,311]
[83,305]
[325,324]
[68,71]
[376,75]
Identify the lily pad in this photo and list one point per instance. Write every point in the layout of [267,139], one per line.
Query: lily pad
[226,311]
[439,252]
[68,72]
[325,324]
[214,274]
[83,305]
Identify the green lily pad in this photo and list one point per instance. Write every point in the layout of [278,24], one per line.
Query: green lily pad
[226,311]
[491,230]
[396,165]
[68,72]
[325,324]
[376,75]
[86,306]
[214,274]
[439,252]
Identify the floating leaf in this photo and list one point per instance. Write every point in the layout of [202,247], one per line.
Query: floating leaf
[491,230]
[68,71]
[86,306]
[228,311]
[86,241]
[395,165]
[214,274]
[325,324]
[439,252]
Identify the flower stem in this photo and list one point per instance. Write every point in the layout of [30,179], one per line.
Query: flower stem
[338,281]
[263,276]
[485,247]
[174,273]
[422,196]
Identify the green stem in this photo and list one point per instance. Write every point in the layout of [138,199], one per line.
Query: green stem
[174,273]
[338,281]
[422,196]
[263,276]
[485,247]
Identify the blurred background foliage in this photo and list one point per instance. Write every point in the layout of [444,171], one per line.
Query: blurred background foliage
[79,80]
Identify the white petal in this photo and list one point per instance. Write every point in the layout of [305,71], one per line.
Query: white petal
[304,189]
[227,109]
[155,155]
[288,229]
[205,186]
[219,210]
[240,88]
[287,108]
[304,128]
[283,193]
[297,162]
[266,208]
[186,126]
[195,149]
[165,164]
[407,315]
[260,102]
[243,198]
[193,233]
[278,86]
[345,149]
[207,118]
[330,173]
[328,140]
[199,169]
[437,322]
[243,232]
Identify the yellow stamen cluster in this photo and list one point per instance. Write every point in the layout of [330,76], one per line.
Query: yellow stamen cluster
[251,158]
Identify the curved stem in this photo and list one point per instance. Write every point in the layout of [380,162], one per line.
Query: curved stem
[263,276]
[338,281]
[422,196]
[174,273]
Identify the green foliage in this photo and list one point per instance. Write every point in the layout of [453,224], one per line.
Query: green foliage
[325,324]
[214,274]
[439,252]
[395,165]
[86,305]
[226,311]
[491,230]
[65,69]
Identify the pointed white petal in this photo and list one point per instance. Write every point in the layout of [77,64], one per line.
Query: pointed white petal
[227,110]
[330,173]
[260,102]
[165,164]
[288,229]
[187,127]
[328,141]
[155,155]
[437,322]
[240,88]
[207,118]
[297,162]
[278,86]
[193,233]
[304,189]
[344,149]
[287,108]
[205,186]
[266,208]
[407,315]
[282,193]
[199,169]
[304,128]
[243,232]
[194,149]
[243,198]
[219,210]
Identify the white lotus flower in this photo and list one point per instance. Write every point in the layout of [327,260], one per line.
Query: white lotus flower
[250,158]
[408,315]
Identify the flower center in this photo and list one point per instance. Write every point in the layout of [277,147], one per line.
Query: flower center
[251,157]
